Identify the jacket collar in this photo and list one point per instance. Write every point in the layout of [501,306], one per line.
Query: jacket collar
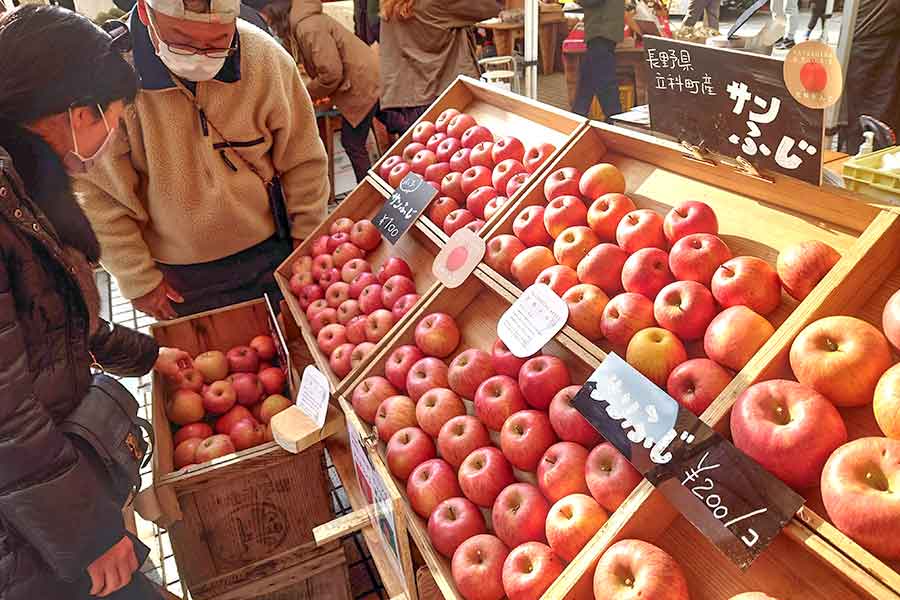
[153,73]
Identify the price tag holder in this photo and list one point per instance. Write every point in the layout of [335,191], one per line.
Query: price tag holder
[456,261]
[532,320]
[284,355]
[401,210]
[730,498]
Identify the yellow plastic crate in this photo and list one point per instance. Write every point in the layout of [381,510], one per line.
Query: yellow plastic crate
[626,98]
[862,174]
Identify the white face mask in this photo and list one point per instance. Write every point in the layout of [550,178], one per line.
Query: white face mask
[73,161]
[195,67]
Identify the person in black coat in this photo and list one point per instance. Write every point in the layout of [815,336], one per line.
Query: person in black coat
[62,535]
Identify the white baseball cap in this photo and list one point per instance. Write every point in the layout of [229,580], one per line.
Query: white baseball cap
[220,11]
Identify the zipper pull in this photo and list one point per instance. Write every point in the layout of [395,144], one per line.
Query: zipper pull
[204,124]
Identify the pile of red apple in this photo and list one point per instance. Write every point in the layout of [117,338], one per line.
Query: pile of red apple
[796,429]
[474,173]
[425,408]
[225,401]
[350,308]
[650,284]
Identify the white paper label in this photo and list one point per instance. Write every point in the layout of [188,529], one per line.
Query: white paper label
[312,398]
[532,320]
[458,258]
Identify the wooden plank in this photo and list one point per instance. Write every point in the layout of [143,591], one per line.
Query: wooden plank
[341,527]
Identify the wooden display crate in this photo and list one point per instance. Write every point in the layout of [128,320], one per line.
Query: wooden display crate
[237,529]
[503,113]
[417,247]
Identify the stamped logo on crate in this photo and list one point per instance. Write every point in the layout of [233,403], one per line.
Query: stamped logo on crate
[401,210]
[731,499]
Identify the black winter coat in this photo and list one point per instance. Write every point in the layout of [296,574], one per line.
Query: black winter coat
[55,517]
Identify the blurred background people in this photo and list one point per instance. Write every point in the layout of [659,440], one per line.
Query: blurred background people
[604,27]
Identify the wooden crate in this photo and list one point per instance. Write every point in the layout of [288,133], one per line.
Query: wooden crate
[236,526]
[417,247]
[504,113]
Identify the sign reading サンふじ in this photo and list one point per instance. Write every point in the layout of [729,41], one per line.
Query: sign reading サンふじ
[401,210]
[735,104]
[732,500]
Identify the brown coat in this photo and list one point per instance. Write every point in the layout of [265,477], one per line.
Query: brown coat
[342,66]
[422,55]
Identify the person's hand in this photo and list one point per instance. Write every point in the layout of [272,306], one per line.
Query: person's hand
[112,570]
[172,362]
[157,303]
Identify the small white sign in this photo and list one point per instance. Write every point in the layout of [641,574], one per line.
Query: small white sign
[458,258]
[532,320]
[312,398]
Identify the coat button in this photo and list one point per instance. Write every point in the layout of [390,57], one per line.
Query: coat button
[18,213]
[36,227]
[3,192]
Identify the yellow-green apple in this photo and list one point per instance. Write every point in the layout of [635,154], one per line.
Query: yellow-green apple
[688,218]
[447,148]
[483,474]
[272,380]
[474,135]
[426,374]
[568,423]
[478,200]
[481,155]
[309,294]
[393,266]
[525,437]
[365,235]
[399,363]
[529,227]
[360,353]
[437,406]
[429,484]
[540,378]
[406,450]
[356,329]
[529,570]
[625,315]
[473,178]
[347,310]
[248,389]
[887,402]
[859,491]
[398,173]
[558,278]
[454,521]
[496,399]
[237,413]
[368,396]
[469,370]
[734,336]
[694,384]
[271,406]
[353,268]
[646,272]
[191,379]
[435,140]
[457,220]
[185,407]
[685,308]
[842,358]
[459,437]
[563,212]
[641,228]
[298,281]
[437,335]
[387,164]
[501,250]
[561,471]
[602,266]
[411,150]
[451,185]
[213,447]
[337,293]
[186,452]
[192,430]
[443,121]
[747,281]
[404,304]
[890,320]
[572,522]
[519,514]
[562,182]
[477,568]
[586,302]
[504,361]
[303,264]
[242,359]
[212,364]
[537,155]
[606,212]
[370,298]
[753,596]
[440,208]
[788,428]
[655,352]
[494,206]
[801,266]
[459,162]
[378,324]
[609,476]
[394,413]
[529,263]
[601,179]
[504,172]
[508,148]
[635,569]
[361,282]
[696,257]
[422,131]
[247,434]
[515,183]
[340,360]
[394,288]
[435,173]
[573,244]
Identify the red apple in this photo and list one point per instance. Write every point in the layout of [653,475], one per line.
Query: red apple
[396,287]
[734,336]
[422,131]
[484,474]
[459,162]
[356,329]
[625,315]
[347,311]
[688,218]
[560,471]
[360,353]
[529,263]
[365,235]
[694,384]
[475,226]
[336,239]
[558,278]
[394,414]
[272,380]
[412,149]
[469,370]
[568,423]
[525,437]
[801,266]
[190,431]
[340,360]
[329,277]
[368,396]
[585,302]
[435,173]
[303,264]
[237,413]
[330,337]
[537,155]
[248,390]
[426,374]
[437,335]
[477,568]
[422,160]
[496,399]
[370,298]
[337,293]
[515,183]
[601,179]
[219,397]
[696,257]
[321,265]
[459,437]
[519,514]
[478,200]
[454,521]
[636,569]
[602,266]
[186,452]
[562,182]
[655,352]
[641,228]
[685,308]
[353,268]
[505,171]
[399,363]
[435,140]
[213,447]
[309,294]
[890,320]
[322,318]
[457,220]
[341,225]
[431,483]
[609,476]
[529,227]
[443,120]
[572,522]
[446,149]
[387,164]
[406,450]
[747,281]
[504,361]
[508,148]
[264,346]
[646,272]
[315,308]
[345,253]
[298,281]
[540,378]
[398,173]
[473,178]
[243,359]
[437,406]
[573,244]
[191,379]
[361,282]
[247,433]
[403,305]
[440,208]
[529,570]
[501,251]
[393,266]
[564,212]
[474,135]
[378,324]
[481,155]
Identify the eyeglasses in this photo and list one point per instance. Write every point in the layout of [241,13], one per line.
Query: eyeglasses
[186,50]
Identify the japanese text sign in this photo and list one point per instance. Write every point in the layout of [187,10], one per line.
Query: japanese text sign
[735,104]
[732,500]
[401,210]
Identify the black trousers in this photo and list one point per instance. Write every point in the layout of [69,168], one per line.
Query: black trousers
[353,139]
[818,12]
[598,78]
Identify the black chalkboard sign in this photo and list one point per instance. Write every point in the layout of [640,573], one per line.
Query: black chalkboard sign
[735,104]
[401,210]
[732,500]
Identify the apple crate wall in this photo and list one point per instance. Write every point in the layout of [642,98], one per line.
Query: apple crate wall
[237,529]
[503,113]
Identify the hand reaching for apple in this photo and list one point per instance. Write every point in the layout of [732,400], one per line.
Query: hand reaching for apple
[157,303]
[171,362]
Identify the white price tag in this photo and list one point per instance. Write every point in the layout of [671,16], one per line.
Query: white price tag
[456,261]
[312,398]
[532,320]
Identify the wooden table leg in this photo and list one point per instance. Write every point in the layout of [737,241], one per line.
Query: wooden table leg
[326,132]
[547,45]
[503,41]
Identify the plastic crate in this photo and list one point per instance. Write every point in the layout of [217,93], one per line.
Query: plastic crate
[626,99]
[862,174]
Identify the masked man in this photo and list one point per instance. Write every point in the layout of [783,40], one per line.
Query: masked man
[220,143]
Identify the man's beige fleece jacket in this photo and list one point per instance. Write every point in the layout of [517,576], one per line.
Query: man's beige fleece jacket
[164,193]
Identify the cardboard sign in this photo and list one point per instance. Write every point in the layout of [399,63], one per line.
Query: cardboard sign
[734,104]
[312,398]
[401,210]
[284,355]
[532,320]
[732,500]
[456,261]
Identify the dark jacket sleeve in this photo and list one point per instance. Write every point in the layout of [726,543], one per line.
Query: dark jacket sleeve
[123,351]
[49,492]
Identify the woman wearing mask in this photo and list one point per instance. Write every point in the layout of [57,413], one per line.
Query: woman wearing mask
[62,535]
